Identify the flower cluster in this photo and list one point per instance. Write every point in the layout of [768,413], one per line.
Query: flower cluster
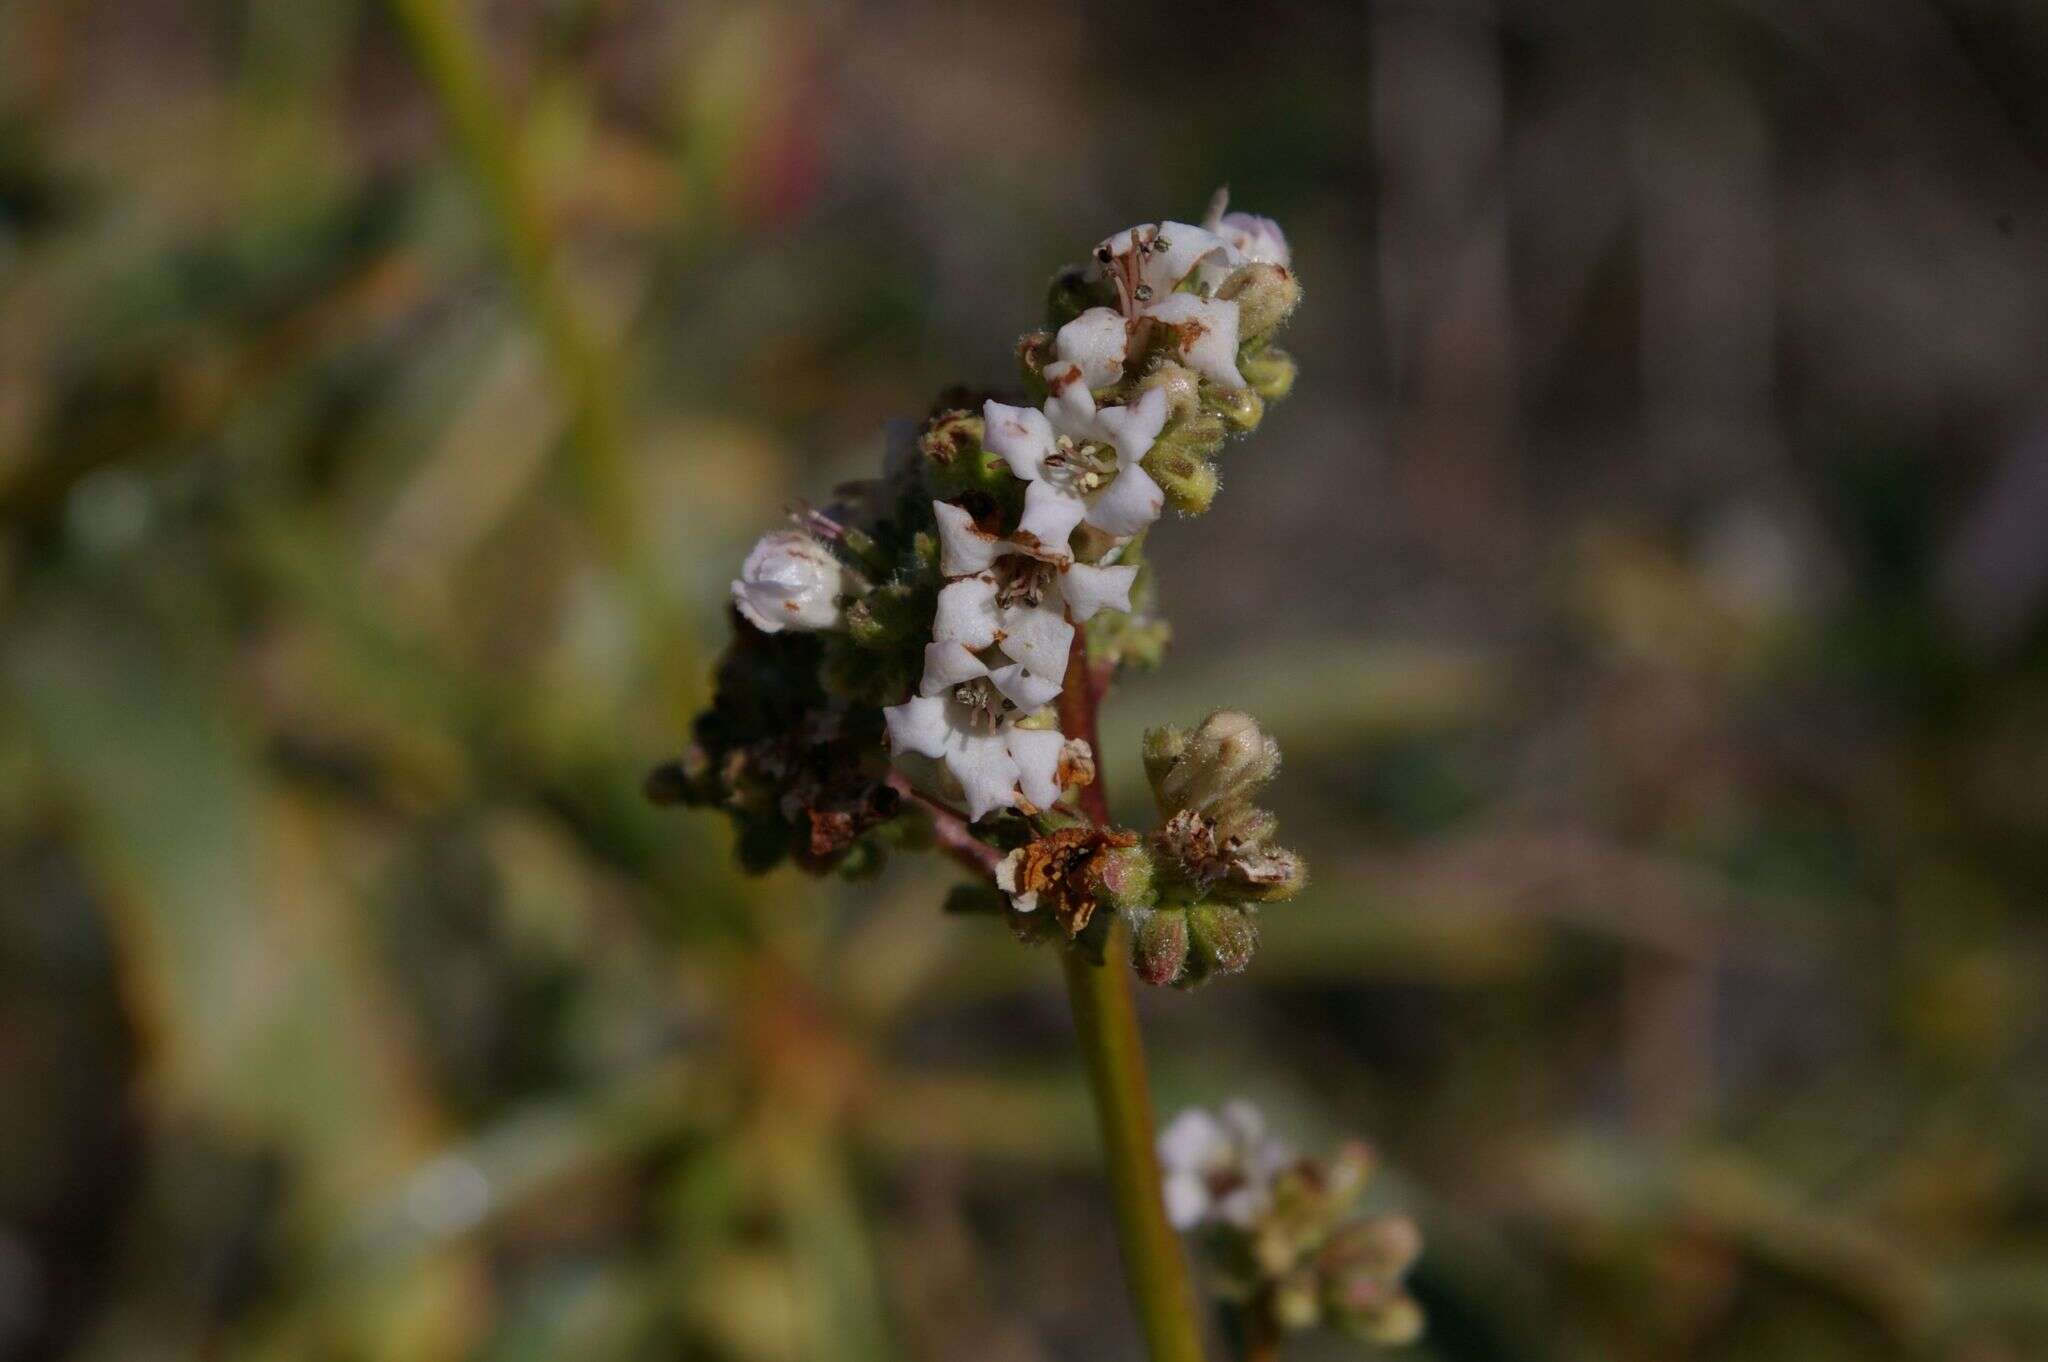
[1279,1233]
[920,636]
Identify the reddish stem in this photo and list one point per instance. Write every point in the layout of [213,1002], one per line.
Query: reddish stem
[1080,698]
[955,838]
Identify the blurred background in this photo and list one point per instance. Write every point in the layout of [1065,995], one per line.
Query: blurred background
[1648,583]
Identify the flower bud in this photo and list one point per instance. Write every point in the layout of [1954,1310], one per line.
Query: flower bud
[1183,387]
[1295,1302]
[1189,480]
[1384,1247]
[1242,407]
[1124,878]
[1225,934]
[1271,372]
[1226,758]
[1265,294]
[1346,1174]
[789,581]
[1390,1323]
[1161,750]
[1159,948]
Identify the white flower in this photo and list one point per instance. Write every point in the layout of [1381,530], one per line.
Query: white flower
[1149,261]
[1149,267]
[1024,610]
[789,581]
[1082,462]
[1256,240]
[1205,332]
[1220,1168]
[992,758]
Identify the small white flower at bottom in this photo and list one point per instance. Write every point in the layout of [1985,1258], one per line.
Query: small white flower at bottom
[789,581]
[1219,1168]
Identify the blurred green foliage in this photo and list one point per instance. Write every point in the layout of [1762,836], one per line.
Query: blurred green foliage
[1645,586]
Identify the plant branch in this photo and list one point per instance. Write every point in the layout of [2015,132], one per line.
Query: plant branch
[955,838]
[1106,1027]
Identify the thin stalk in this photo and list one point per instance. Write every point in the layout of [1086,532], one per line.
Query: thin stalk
[1106,1026]
[583,367]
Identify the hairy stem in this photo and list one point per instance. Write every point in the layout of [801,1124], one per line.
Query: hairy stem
[954,837]
[1106,1025]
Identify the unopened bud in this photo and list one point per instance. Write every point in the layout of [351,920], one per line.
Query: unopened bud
[1247,823]
[1226,935]
[1271,372]
[1159,948]
[1242,407]
[1392,1324]
[789,581]
[1225,759]
[1161,750]
[1384,1248]
[1265,294]
[1189,480]
[1295,1303]
[1347,1172]
[1124,878]
[1182,385]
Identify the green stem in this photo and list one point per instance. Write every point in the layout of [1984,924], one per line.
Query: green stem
[1106,1024]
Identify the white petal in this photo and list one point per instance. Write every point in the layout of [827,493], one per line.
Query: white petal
[1037,751]
[919,725]
[1187,1200]
[987,773]
[1257,239]
[1037,636]
[1129,504]
[1071,410]
[1021,436]
[1095,340]
[743,597]
[1245,1123]
[1206,332]
[1244,1206]
[1061,375]
[1050,514]
[967,612]
[1191,1141]
[963,549]
[946,665]
[1090,589]
[1025,689]
[1186,246]
[1133,428]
